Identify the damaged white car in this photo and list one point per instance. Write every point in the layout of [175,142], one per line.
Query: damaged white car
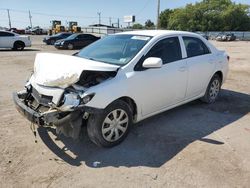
[120,80]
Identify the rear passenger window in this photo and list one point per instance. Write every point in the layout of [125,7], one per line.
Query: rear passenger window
[195,47]
[168,50]
[6,34]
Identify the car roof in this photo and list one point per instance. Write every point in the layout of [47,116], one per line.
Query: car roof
[16,34]
[154,33]
[8,31]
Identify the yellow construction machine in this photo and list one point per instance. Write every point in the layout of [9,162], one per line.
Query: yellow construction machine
[56,27]
[73,28]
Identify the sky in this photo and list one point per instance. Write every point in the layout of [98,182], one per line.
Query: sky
[83,11]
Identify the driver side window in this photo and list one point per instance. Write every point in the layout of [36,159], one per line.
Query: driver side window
[169,50]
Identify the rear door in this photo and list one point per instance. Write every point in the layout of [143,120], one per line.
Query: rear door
[201,64]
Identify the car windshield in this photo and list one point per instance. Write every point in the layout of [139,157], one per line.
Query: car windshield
[73,36]
[115,49]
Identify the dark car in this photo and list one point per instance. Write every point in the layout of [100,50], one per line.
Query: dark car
[50,40]
[76,41]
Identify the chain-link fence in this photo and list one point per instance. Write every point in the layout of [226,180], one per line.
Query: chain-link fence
[239,35]
[211,34]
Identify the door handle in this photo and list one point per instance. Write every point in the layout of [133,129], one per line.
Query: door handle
[183,68]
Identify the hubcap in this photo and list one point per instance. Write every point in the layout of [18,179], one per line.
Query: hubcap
[214,89]
[70,46]
[115,125]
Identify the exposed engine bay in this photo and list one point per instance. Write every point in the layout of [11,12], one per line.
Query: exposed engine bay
[92,78]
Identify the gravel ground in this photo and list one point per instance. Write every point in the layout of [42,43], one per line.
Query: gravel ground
[195,145]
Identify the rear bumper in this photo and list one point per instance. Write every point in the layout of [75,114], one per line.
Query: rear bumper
[28,43]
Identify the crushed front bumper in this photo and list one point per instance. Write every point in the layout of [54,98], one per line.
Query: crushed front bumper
[55,117]
[26,111]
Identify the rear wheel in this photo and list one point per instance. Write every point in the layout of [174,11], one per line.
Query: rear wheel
[213,90]
[112,126]
[19,45]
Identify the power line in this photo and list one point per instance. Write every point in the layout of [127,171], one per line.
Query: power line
[58,15]
[142,9]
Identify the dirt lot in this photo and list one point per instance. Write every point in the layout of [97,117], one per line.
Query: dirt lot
[195,145]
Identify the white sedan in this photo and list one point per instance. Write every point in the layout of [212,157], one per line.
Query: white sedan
[120,80]
[13,40]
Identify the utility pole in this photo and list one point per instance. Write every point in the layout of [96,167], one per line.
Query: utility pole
[99,14]
[158,14]
[30,19]
[9,17]
[110,21]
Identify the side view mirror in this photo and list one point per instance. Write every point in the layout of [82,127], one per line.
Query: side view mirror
[152,62]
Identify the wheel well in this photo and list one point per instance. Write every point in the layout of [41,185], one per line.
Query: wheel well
[20,42]
[219,73]
[131,103]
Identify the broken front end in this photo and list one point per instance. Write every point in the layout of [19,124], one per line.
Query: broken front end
[63,108]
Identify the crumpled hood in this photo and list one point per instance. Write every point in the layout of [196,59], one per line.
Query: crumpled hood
[58,70]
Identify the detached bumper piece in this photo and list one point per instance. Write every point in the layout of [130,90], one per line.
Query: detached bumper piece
[67,123]
[26,111]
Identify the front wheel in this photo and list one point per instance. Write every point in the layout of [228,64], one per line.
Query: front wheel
[112,126]
[213,90]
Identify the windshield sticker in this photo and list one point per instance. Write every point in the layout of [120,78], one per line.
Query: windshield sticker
[122,60]
[140,38]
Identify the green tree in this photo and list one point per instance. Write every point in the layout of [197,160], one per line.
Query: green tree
[149,24]
[164,18]
[137,26]
[208,15]
[236,19]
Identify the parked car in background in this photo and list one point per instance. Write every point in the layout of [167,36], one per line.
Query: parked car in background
[18,31]
[50,40]
[231,37]
[76,41]
[39,31]
[119,80]
[204,35]
[13,40]
[226,37]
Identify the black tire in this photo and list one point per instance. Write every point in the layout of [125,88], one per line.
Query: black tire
[96,125]
[70,46]
[18,45]
[213,90]
[52,42]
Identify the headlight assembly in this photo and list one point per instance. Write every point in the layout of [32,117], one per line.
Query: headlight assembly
[87,98]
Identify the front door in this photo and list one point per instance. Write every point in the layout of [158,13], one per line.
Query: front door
[165,86]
